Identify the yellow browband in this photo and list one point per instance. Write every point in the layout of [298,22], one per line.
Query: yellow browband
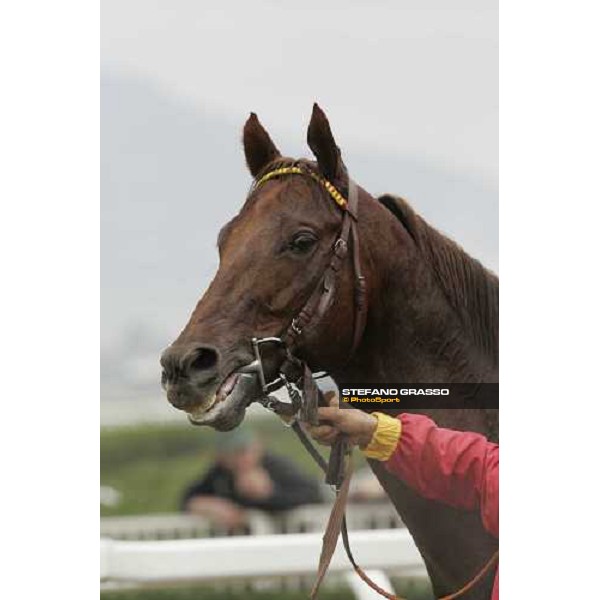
[331,189]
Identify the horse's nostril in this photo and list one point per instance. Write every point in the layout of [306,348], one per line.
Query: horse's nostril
[179,362]
[205,359]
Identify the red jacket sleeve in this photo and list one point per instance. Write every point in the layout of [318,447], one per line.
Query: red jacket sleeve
[455,467]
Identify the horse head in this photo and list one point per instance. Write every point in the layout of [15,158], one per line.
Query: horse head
[432,309]
[271,256]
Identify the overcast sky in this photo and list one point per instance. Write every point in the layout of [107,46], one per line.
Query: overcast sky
[410,88]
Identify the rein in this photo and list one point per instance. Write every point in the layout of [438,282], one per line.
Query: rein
[302,389]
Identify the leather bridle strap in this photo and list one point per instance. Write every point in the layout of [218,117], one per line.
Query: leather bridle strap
[337,523]
[322,296]
[360,290]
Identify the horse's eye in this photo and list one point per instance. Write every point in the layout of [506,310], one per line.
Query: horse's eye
[302,242]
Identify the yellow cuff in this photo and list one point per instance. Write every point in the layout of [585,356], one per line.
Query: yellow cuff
[385,439]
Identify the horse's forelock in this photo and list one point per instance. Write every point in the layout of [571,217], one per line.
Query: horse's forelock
[254,192]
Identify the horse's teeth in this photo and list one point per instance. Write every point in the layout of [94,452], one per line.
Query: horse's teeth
[227,386]
[198,413]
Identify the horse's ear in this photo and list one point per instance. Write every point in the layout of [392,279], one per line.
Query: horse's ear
[321,142]
[258,146]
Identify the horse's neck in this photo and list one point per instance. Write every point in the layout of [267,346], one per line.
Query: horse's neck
[413,334]
[418,344]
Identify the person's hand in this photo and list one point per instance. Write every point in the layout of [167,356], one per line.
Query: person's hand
[358,425]
[254,484]
[221,511]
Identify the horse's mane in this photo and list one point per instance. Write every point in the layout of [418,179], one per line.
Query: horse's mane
[470,288]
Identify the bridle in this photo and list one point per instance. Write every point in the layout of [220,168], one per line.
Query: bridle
[322,296]
[294,372]
[299,381]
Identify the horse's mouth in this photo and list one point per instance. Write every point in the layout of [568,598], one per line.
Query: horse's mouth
[227,407]
[221,394]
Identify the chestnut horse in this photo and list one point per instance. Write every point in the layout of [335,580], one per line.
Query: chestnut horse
[432,317]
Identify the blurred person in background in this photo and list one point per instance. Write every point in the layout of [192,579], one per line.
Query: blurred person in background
[245,476]
[365,487]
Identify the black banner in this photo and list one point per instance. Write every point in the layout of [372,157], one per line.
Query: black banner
[398,396]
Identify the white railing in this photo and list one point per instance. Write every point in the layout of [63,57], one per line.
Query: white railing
[248,557]
[305,519]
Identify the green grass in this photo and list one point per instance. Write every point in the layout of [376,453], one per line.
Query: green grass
[151,465]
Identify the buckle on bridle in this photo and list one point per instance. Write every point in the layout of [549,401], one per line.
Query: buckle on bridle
[294,326]
[340,248]
[256,366]
[267,400]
